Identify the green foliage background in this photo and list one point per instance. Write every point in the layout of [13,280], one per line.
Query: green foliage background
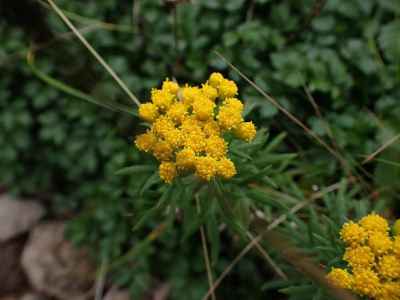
[66,151]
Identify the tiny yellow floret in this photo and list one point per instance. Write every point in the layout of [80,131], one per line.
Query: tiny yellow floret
[366,282]
[389,291]
[226,168]
[389,267]
[177,112]
[353,234]
[340,278]
[215,79]
[246,131]
[163,151]
[170,86]
[190,94]
[206,167]
[379,242]
[203,108]
[216,146]
[374,222]
[148,112]
[185,159]
[229,118]
[211,128]
[145,141]
[162,99]
[227,88]
[167,171]
[162,126]
[360,257]
[209,91]
[174,137]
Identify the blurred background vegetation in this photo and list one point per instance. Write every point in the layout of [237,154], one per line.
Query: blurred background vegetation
[345,53]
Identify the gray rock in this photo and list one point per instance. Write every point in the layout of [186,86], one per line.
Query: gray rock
[117,294]
[17,216]
[54,267]
[32,296]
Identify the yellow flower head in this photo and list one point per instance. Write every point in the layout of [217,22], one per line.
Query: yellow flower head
[353,234]
[373,257]
[227,88]
[366,283]
[191,125]
[234,104]
[170,86]
[215,79]
[163,151]
[229,117]
[145,141]
[174,137]
[340,278]
[216,146]
[389,267]
[148,112]
[162,98]
[206,167]
[190,94]
[211,128]
[379,242]
[195,141]
[374,222]
[185,159]
[209,91]
[203,108]
[177,112]
[167,171]
[246,131]
[226,168]
[162,126]
[360,257]
[389,291]
[188,127]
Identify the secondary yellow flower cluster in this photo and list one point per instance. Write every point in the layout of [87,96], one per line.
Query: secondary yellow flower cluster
[187,127]
[373,259]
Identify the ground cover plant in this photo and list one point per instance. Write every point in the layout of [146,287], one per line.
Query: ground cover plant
[278,120]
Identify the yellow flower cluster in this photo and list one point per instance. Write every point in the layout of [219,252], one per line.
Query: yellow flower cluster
[187,127]
[373,259]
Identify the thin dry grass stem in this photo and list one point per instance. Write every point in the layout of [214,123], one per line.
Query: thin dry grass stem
[100,280]
[135,14]
[304,264]
[268,258]
[93,52]
[282,218]
[319,115]
[332,138]
[86,20]
[378,122]
[288,114]
[206,254]
[381,148]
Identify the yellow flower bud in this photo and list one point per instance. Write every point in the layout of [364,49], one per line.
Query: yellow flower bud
[148,112]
